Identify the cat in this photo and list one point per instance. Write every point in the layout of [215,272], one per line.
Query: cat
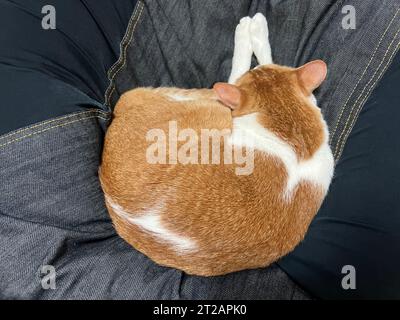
[206,217]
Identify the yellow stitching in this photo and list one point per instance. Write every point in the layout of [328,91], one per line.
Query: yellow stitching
[47,129]
[125,38]
[340,150]
[127,45]
[362,92]
[366,95]
[128,36]
[109,90]
[365,88]
[50,121]
[359,80]
[110,94]
[123,55]
[111,70]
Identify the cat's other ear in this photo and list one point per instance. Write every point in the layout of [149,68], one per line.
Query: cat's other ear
[312,74]
[228,94]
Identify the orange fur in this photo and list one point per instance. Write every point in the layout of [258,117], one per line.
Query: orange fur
[237,222]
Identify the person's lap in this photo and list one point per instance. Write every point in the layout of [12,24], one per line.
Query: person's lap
[359,223]
[299,32]
[50,73]
[51,209]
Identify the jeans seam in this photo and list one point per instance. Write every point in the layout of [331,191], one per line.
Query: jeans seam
[88,116]
[362,95]
[347,129]
[126,38]
[51,121]
[125,43]
[364,72]
[76,230]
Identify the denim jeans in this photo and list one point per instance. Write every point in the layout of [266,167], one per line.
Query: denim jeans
[59,88]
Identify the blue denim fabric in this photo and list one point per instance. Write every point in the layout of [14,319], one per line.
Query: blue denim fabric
[57,71]
[359,223]
[190,44]
[53,113]
[52,213]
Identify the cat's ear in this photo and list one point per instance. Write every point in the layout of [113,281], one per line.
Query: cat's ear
[228,94]
[312,74]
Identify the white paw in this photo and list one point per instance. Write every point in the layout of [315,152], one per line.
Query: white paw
[242,34]
[243,51]
[259,26]
[259,38]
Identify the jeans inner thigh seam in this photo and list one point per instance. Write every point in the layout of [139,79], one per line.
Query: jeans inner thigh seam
[341,142]
[105,114]
[367,87]
[122,44]
[123,55]
[50,128]
[366,90]
[362,75]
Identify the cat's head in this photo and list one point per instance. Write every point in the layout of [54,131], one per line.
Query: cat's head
[267,88]
[283,99]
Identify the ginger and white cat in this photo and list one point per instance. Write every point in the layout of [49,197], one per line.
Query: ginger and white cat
[204,217]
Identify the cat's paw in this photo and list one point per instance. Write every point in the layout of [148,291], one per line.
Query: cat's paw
[242,34]
[243,51]
[259,34]
[259,26]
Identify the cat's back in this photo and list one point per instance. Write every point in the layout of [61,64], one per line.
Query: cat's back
[148,108]
[165,119]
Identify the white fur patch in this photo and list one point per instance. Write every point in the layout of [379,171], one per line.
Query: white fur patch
[178,97]
[313,100]
[150,221]
[247,132]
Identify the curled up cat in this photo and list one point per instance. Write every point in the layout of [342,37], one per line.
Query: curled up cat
[212,181]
